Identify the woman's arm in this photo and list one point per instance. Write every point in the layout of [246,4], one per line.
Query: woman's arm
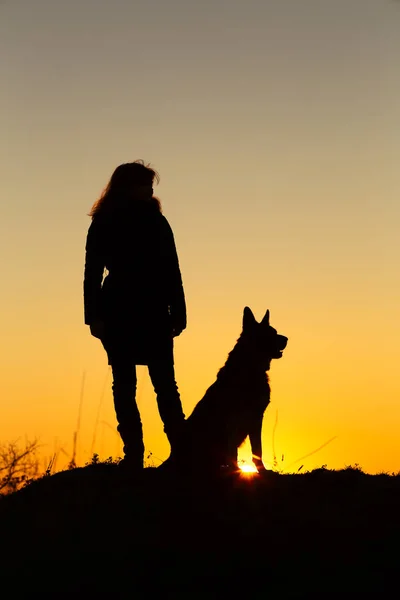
[176,295]
[93,275]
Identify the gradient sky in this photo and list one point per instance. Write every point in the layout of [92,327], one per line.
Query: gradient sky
[275,128]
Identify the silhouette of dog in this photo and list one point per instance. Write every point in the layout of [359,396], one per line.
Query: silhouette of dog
[233,406]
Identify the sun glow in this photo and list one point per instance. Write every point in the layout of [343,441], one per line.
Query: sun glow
[248,469]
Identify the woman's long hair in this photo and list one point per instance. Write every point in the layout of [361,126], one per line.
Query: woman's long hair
[122,180]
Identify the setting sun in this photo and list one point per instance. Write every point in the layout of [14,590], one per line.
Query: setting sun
[248,469]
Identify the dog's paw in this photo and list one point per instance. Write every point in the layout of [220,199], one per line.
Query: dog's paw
[259,466]
[266,473]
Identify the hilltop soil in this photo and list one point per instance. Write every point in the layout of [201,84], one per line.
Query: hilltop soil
[96,533]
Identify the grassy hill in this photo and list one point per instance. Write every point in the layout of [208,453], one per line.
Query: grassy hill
[93,532]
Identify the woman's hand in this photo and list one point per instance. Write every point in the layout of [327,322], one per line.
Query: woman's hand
[178,325]
[97,329]
[176,331]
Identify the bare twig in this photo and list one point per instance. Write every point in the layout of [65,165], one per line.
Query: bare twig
[17,465]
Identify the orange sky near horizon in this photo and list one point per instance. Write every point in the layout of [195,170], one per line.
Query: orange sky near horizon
[274,127]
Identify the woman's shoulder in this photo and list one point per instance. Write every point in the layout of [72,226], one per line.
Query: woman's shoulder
[99,221]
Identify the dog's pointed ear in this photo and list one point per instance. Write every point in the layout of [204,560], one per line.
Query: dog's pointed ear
[265,319]
[248,319]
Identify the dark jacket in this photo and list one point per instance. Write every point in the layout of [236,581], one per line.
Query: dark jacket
[141,297]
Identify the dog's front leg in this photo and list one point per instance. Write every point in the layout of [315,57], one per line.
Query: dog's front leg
[255,441]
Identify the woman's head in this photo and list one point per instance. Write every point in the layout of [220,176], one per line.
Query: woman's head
[130,182]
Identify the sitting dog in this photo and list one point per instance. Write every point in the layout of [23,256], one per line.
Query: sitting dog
[233,406]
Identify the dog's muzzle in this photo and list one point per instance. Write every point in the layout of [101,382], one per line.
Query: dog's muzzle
[281,345]
[282,342]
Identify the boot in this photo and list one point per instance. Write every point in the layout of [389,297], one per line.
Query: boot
[131,464]
[177,438]
[133,450]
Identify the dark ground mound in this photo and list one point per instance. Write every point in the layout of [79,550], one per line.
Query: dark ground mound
[93,532]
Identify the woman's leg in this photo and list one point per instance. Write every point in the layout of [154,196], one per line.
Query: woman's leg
[128,417]
[162,374]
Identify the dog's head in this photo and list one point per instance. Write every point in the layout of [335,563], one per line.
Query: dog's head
[263,339]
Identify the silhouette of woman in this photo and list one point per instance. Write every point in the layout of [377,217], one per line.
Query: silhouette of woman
[140,306]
